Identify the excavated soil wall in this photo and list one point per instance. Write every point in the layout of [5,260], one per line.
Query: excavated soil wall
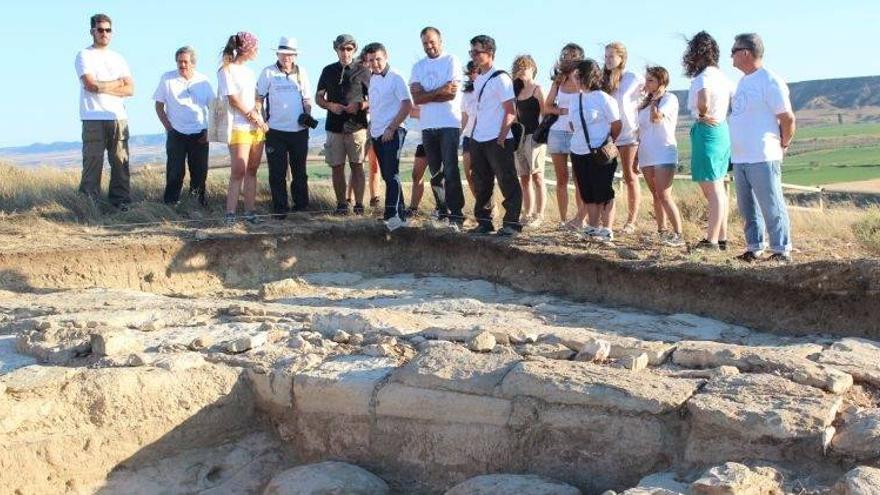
[837,298]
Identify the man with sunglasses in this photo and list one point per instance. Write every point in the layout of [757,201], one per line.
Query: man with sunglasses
[282,92]
[762,126]
[182,101]
[105,81]
[491,142]
[342,90]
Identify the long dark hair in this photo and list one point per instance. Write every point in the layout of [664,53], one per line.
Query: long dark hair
[565,67]
[702,51]
[662,76]
[230,51]
[589,75]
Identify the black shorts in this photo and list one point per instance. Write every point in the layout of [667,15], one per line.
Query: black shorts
[595,178]
[420,151]
[465,144]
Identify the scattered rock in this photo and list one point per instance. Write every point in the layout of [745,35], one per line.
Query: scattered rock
[113,343]
[417,340]
[737,479]
[858,357]
[137,359]
[152,325]
[201,342]
[862,480]
[283,288]
[179,362]
[42,325]
[859,435]
[300,344]
[546,350]
[596,351]
[482,342]
[576,338]
[247,343]
[707,374]
[341,337]
[326,478]
[202,235]
[790,362]
[507,484]
[633,363]
[628,254]
[356,339]
[667,481]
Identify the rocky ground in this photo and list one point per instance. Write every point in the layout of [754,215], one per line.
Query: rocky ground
[425,381]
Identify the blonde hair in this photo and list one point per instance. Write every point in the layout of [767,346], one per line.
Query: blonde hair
[611,77]
[521,64]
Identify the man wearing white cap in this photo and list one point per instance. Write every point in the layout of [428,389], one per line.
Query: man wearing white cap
[282,92]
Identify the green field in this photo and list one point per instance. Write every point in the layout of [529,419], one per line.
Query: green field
[830,166]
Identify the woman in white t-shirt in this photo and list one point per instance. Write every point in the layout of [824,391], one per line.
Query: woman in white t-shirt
[595,118]
[468,116]
[563,88]
[708,102]
[658,151]
[626,87]
[238,83]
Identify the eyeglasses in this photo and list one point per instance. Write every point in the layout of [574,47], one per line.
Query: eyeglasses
[736,49]
[104,30]
[477,52]
[347,48]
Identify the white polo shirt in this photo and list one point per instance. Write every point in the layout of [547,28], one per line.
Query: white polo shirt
[387,92]
[104,65]
[754,127]
[432,73]
[186,101]
[284,95]
[490,107]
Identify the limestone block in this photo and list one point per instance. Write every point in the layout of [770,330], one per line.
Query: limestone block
[862,480]
[737,479]
[401,401]
[342,386]
[454,368]
[113,343]
[859,435]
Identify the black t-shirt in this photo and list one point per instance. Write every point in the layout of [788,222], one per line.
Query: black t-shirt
[345,85]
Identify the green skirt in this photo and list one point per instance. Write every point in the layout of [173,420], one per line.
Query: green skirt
[710,151]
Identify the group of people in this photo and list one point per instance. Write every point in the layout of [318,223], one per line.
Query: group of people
[600,117]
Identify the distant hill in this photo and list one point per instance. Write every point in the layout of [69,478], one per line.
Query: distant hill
[845,94]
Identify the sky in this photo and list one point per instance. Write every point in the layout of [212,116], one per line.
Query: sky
[39,91]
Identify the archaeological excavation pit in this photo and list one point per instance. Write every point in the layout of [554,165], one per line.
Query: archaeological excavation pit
[236,363]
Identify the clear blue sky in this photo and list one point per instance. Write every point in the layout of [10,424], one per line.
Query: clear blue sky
[808,39]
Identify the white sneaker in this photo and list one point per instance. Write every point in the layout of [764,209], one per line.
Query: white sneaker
[629,229]
[395,223]
[673,240]
[604,235]
[591,231]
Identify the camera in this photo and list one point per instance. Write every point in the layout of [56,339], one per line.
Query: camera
[307,120]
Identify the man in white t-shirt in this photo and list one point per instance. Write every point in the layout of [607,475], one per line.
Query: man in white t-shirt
[491,142]
[762,125]
[182,101]
[105,80]
[434,86]
[282,90]
[390,105]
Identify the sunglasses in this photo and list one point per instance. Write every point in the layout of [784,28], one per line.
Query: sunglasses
[736,49]
[104,30]
[347,48]
[477,52]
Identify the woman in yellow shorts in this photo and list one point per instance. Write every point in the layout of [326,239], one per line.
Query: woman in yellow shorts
[239,83]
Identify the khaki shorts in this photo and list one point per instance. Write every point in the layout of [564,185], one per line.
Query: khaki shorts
[340,146]
[530,157]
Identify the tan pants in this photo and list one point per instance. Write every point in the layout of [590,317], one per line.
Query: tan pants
[112,136]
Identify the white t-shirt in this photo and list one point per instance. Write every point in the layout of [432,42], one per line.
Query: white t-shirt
[238,80]
[600,110]
[490,108]
[657,145]
[104,65]
[386,94]
[719,88]
[186,101]
[469,107]
[285,96]
[754,128]
[629,96]
[563,100]
[432,73]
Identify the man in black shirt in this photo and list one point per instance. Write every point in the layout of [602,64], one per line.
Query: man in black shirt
[342,91]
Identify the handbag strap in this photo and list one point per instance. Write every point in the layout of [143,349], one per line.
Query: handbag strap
[583,121]
[480,96]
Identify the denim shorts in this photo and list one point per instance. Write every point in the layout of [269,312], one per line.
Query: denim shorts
[559,142]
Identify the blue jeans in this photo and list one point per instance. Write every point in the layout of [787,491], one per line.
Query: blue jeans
[388,155]
[762,205]
[441,150]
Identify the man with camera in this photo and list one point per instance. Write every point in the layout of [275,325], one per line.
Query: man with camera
[282,93]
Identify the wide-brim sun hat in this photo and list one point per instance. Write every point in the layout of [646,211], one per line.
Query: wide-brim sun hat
[287,46]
